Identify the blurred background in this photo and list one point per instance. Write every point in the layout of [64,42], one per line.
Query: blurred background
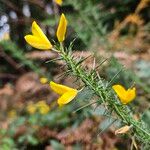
[117,30]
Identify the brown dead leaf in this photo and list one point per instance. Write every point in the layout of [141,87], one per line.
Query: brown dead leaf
[42,55]
[28,87]
[7,90]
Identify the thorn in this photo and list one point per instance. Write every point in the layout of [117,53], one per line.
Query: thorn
[101,63]
[82,60]
[98,75]
[93,67]
[63,74]
[133,85]
[85,106]
[107,127]
[114,77]
[63,66]
[53,60]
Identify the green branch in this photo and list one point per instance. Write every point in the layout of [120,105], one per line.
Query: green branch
[105,95]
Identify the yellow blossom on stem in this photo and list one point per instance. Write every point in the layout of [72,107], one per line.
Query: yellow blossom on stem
[67,93]
[31,108]
[59,2]
[12,114]
[38,39]
[124,95]
[43,80]
[40,103]
[61,30]
[42,107]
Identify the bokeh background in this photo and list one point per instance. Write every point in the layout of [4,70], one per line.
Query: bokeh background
[117,30]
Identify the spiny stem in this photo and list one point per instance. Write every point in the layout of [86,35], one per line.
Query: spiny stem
[105,96]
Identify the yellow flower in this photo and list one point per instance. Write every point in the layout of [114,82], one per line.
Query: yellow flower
[12,114]
[31,108]
[43,80]
[59,2]
[38,39]
[125,96]
[61,30]
[67,93]
[42,107]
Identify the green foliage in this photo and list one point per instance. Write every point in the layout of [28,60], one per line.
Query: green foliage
[56,145]
[56,119]
[91,20]
[13,50]
[102,89]
[146,118]
[28,138]
[7,143]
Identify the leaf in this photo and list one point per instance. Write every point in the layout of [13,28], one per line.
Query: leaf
[32,140]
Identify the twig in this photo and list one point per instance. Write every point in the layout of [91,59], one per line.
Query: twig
[11,61]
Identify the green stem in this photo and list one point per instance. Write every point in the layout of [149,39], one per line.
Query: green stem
[106,96]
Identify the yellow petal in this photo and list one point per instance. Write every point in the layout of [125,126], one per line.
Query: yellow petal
[37,42]
[61,30]
[119,89]
[60,89]
[131,93]
[59,2]
[36,30]
[31,108]
[44,109]
[124,96]
[43,80]
[38,39]
[67,97]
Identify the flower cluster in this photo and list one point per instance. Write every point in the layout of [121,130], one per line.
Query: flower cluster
[67,93]
[40,41]
[38,38]
[40,107]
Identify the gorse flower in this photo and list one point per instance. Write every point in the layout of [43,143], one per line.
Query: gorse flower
[12,114]
[67,93]
[40,106]
[38,39]
[59,2]
[61,30]
[124,95]
[31,108]
[43,80]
